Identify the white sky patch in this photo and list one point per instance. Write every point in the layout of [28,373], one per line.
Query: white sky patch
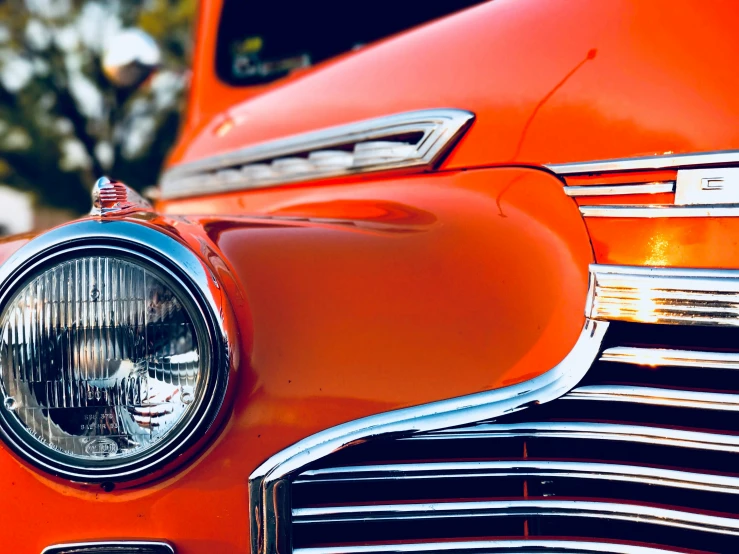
[38,35]
[67,38]
[139,136]
[139,106]
[73,62]
[98,22]
[49,9]
[40,67]
[104,153]
[15,73]
[16,139]
[166,86]
[88,96]
[64,126]
[74,155]
[16,215]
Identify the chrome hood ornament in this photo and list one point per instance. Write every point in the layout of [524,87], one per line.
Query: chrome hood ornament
[110,198]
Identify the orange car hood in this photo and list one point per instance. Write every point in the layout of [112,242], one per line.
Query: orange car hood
[549,82]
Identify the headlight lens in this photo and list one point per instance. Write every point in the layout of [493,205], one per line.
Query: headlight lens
[103,360]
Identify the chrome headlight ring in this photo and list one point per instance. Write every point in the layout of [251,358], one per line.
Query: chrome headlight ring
[203,300]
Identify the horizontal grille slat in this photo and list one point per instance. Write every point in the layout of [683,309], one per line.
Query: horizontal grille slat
[492,547]
[528,468]
[656,396]
[670,357]
[522,508]
[644,450]
[651,295]
[597,431]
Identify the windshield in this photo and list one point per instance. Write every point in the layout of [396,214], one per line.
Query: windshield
[259,42]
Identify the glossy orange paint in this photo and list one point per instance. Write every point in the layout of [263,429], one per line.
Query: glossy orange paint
[362,295]
[666,242]
[351,300]
[549,81]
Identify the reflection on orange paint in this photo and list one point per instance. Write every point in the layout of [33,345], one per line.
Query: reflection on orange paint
[377,211]
[658,246]
[668,242]
[224,128]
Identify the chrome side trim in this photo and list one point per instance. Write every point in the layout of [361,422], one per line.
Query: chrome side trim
[662,295]
[520,546]
[189,271]
[668,357]
[522,508]
[370,145]
[655,211]
[663,436]
[527,468]
[665,161]
[618,190]
[268,485]
[657,397]
[104,547]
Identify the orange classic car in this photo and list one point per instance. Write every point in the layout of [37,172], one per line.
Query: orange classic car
[420,277]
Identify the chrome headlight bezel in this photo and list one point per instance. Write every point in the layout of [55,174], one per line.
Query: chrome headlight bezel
[205,301]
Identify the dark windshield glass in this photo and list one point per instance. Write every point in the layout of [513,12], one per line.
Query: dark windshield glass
[260,41]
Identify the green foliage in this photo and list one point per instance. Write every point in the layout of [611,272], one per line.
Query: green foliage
[62,123]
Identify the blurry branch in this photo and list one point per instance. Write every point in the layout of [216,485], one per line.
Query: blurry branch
[62,123]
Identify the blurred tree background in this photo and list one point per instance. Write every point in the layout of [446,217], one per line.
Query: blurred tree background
[62,122]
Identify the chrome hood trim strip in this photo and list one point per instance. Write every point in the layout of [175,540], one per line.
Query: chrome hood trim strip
[619,190]
[656,211]
[415,139]
[268,488]
[522,546]
[665,161]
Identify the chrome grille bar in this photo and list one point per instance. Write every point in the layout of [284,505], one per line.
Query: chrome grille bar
[521,508]
[594,431]
[647,163]
[527,468]
[657,397]
[666,296]
[492,547]
[645,472]
[671,357]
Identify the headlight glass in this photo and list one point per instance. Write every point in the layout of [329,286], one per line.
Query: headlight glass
[101,359]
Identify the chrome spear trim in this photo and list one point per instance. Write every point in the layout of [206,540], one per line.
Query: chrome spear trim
[416,139]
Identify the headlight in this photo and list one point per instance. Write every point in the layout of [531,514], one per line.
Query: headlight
[107,363]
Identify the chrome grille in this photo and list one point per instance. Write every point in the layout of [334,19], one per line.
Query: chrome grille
[642,454]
